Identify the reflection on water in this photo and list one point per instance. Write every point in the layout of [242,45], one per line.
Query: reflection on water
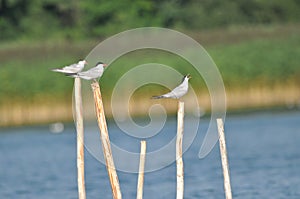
[263,154]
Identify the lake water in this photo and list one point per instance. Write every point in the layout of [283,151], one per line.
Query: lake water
[263,150]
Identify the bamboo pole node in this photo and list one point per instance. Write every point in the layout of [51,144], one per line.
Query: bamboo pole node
[141,170]
[113,177]
[179,160]
[80,138]
[224,160]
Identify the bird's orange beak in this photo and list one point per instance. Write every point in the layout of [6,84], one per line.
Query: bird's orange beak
[105,65]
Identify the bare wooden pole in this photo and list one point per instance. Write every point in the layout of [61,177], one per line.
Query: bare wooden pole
[224,159]
[141,170]
[113,177]
[179,161]
[80,139]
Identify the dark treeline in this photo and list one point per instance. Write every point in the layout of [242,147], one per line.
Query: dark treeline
[73,19]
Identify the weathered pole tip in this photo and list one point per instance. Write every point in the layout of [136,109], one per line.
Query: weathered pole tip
[95,85]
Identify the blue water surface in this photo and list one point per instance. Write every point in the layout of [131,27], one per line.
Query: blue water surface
[263,150]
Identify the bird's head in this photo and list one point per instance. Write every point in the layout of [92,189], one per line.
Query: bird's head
[101,64]
[82,62]
[188,76]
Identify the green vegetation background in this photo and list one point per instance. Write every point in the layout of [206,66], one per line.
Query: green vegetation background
[253,42]
[74,19]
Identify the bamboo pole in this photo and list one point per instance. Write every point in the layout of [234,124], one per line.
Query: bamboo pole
[113,177]
[224,159]
[179,161]
[80,139]
[141,170]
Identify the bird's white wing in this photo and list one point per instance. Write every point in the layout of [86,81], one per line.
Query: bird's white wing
[175,93]
[178,92]
[93,73]
[74,68]
[71,66]
[88,75]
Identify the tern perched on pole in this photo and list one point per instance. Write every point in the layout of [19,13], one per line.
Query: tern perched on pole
[71,69]
[177,92]
[92,73]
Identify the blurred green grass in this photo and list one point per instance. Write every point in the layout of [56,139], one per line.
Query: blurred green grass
[259,62]
[25,68]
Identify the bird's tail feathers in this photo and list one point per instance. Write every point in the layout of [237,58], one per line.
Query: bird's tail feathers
[63,71]
[56,70]
[72,74]
[157,97]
